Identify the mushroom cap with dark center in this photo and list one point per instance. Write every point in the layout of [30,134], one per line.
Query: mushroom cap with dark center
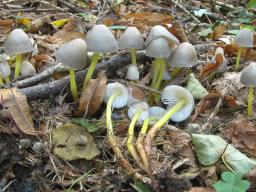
[131,39]
[158,48]
[73,54]
[184,56]
[17,42]
[139,107]
[248,75]
[122,99]
[244,38]
[100,39]
[5,69]
[171,95]
[160,31]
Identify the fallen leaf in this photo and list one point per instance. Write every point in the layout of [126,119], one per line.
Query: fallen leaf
[17,107]
[211,67]
[92,95]
[242,133]
[64,36]
[86,123]
[6,22]
[177,30]
[218,32]
[60,23]
[24,21]
[73,142]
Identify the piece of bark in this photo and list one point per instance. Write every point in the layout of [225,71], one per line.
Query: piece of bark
[43,91]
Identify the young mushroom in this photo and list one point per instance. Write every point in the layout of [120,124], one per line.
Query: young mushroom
[248,78]
[18,43]
[133,72]
[243,40]
[74,56]
[27,69]
[184,56]
[99,40]
[132,40]
[138,113]
[5,70]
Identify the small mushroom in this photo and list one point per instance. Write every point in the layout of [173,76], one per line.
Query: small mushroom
[5,71]
[99,40]
[133,72]
[184,56]
[18,43]
[243,40]
[74,56]
[223,66]
[131,39]
[27,69]
[138,113]
[248,79]
[180,103]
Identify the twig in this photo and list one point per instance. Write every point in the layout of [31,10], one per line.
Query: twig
[34,9]
[72,7]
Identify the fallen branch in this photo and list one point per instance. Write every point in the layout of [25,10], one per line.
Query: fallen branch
[43,91]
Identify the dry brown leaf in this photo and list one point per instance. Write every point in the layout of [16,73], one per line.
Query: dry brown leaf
[92,95]
[6,22]
[149,19]
[136,92]
[200,189]
[210,67]
[178,31]
[242,133]
[218,32]
[64,36]
[18,109]
[42,59]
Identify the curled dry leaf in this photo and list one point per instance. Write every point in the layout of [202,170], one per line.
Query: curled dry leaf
[211,67]
[242,133]
[218,32]
[64,36]
[18,109]
[92,95]
[177,30]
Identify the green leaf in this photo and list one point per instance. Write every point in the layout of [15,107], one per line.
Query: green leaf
[200,12]
[231,183]
[140,187]
[85,123]
[251,4]
[195,87]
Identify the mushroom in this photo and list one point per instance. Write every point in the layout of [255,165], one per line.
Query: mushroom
[159,44]
[184,56]
[131,39]
[99,40]
[74,56]
[5,70]
[137,112]
[223,66]
[248,78]
[133,72]
[18,43]
[244,39]
[27,69]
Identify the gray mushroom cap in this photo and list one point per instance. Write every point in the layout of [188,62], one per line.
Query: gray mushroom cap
[158,48]
[27,69]
[244,38]
[122,99]
[73,54]
[184,56]
[248,75]
[156,113]
[100,39]
[131,39]
[5,69]
[173,94]
[160,31]
[139,107]
[17,42]
[133,72]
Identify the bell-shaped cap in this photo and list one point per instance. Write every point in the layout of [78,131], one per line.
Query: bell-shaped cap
[224,65]
[131,39]
[160,31]
[122,97]
[244,38]
[184,56]
[27,69]
[17,42]
[158,48]
[156,113]
[5,69]
[133,72]
[248,75]
[100,39]
[171,95]
[141,107]
[73,54]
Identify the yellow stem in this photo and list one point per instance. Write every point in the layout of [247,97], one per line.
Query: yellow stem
[175,71]
[73,86]
[133,54]
[7,79]
[156,69]
[178,106]
[160,74]
[250,100]
[237,66]
[17,66]
[95,58]
[1,80]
